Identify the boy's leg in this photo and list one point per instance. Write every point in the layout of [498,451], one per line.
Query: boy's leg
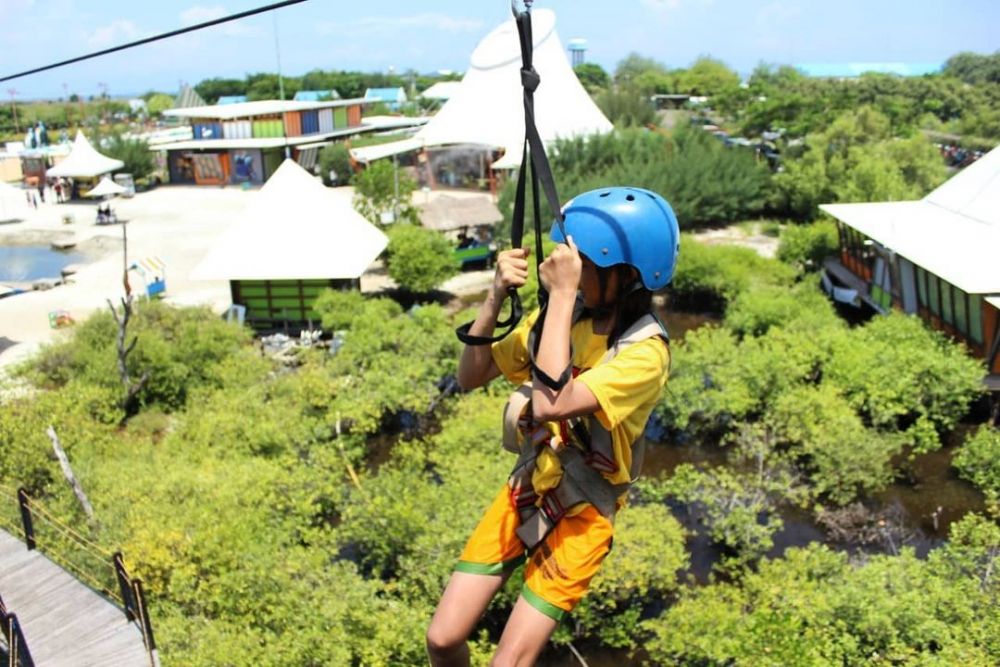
[491,554]
[525,635]
[462,605]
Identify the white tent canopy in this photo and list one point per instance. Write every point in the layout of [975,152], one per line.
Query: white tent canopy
[954,232]
[84,161]
[106,188]
[12,203]
[487,108]
[295,228]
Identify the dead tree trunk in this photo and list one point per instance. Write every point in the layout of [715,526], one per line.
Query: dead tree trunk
[132,389]
[68,472]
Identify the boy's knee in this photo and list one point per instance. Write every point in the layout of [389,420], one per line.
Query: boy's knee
[442,640]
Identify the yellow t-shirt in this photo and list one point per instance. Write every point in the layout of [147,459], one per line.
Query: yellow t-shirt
[627,388]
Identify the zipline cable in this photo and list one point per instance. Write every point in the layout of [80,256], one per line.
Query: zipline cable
[147,40]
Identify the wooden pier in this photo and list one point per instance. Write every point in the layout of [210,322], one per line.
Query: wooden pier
[65,623]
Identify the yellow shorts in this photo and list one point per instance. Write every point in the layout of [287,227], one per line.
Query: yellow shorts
[560,568]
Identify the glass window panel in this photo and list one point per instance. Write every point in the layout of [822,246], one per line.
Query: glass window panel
[976,318]
[932,292]
[921,286]
[961,323]
[946,313]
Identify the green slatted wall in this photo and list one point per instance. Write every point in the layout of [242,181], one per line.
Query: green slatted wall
[271,303]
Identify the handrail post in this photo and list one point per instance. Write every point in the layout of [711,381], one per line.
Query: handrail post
[20,656]
[29,528]
[124,585]
[145,625]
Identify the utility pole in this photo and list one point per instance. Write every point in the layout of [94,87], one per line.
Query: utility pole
[104,100]
[13,106]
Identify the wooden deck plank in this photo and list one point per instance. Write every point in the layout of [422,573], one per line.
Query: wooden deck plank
[65,623]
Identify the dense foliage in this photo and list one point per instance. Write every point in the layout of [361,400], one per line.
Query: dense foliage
[279,516]
[134,153]
[703,181]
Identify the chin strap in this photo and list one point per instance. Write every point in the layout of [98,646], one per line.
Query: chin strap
[532,157]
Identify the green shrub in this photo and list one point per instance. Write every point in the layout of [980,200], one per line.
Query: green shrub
[843,458]
[180,348]
[800,308]
[813,607]
[899,374]
[708,277]
[806,246]
[978,460]
[420,259]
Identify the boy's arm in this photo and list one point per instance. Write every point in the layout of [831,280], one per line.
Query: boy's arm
[561,274]
[476,366]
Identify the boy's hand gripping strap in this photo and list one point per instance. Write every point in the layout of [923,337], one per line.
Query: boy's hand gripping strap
[541,172]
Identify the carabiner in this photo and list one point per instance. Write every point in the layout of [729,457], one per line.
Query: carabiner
[513,7]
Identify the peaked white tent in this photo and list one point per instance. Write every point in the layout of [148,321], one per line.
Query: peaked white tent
[487,108]
[84,161]
[106,188]
[294,229]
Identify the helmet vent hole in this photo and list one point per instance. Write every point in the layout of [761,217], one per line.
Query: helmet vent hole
[605,194]
[630,197]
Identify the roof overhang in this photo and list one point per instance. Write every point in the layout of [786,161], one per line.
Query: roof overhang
[960,250]
[259,108]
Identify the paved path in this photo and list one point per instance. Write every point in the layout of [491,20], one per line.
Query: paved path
[65,623]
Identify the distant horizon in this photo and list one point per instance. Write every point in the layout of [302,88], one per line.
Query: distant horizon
[382,34]
[814,70]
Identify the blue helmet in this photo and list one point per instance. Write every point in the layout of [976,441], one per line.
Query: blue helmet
[623,225]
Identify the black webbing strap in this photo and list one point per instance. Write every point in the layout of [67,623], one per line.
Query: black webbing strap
[532,157]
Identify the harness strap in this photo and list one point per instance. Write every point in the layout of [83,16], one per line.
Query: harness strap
[533,157]
[582,464]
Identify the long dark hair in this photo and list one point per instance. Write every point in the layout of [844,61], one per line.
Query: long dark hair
[632,301]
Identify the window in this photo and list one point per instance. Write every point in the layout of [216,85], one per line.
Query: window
[961,321]
[921,286]
[946,312]
[932,292]
[976,318]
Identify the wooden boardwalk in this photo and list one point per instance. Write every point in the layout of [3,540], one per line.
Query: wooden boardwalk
[65,623]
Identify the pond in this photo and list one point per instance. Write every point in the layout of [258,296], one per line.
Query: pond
[27,263]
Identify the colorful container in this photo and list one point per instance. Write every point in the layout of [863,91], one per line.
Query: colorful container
[310,122]
[340,117]
[325,120]
[293,124]
[354,115]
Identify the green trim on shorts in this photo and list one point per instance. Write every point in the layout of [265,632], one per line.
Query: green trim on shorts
[489,568]
[547,608]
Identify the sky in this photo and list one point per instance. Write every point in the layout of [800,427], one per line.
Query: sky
[376,35]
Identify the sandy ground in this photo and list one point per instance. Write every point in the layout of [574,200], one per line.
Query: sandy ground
[175,223]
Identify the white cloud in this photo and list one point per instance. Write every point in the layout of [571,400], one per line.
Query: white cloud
[661,5]
[200,14]
[371,25]
[115,32]
[777,11]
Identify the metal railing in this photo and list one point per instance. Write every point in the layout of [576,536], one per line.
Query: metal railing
[98,569]
[17,648]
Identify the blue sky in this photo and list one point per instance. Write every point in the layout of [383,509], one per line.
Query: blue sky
[440,34]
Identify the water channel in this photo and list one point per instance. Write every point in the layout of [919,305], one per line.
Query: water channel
[32,262]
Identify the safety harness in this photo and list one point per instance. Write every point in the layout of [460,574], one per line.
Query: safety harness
[586,452]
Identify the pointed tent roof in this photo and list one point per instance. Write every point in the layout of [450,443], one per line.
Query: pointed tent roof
[84,161]
[295,228]
[106,188]
[487,108]
[954,232]
[188,98]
